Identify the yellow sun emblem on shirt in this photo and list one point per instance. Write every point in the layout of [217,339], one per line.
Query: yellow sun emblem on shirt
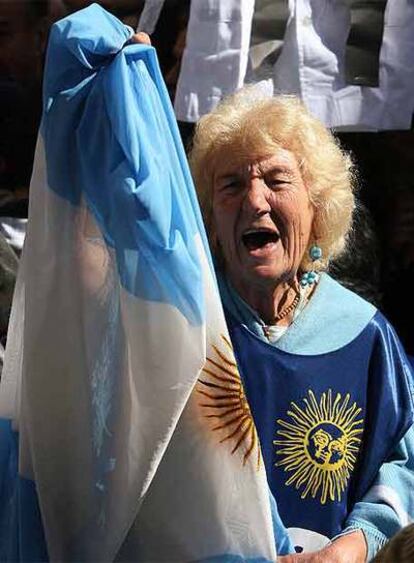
[318,446]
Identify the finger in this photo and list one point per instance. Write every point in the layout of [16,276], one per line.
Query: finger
[141,37]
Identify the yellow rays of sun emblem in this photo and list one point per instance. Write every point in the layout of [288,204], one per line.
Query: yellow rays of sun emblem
[318,446]
[224,402]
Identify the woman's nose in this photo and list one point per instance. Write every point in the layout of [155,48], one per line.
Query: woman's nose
[256,199]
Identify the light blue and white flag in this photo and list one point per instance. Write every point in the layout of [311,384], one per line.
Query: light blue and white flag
[135,441]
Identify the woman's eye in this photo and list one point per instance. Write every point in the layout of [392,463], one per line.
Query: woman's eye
[231,185]
[274,182]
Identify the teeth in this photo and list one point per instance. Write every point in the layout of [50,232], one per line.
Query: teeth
[252,231]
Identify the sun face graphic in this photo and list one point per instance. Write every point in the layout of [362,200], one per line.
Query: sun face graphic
[318,446]
[224,402]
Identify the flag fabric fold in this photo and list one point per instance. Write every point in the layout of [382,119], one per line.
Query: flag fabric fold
[134,437]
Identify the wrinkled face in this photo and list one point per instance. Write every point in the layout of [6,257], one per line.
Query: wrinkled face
[262,216]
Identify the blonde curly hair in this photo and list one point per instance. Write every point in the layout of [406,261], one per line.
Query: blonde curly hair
[249,126]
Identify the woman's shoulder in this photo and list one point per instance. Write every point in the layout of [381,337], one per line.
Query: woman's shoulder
[333,318]
[352,306]
[342,298]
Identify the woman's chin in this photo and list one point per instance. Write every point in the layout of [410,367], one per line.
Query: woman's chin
[266,275]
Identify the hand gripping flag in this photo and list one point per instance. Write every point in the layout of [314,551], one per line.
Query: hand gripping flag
[134,439]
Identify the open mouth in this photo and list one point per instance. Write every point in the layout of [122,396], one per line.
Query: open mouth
[255,239]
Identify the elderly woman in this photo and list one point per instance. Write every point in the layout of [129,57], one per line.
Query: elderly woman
[325,376]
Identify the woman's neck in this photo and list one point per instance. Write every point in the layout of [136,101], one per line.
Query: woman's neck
[275,304]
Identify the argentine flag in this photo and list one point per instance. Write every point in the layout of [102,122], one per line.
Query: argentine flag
[125,432]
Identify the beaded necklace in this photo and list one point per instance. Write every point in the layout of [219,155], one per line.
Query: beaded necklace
[288,309]
[273,332]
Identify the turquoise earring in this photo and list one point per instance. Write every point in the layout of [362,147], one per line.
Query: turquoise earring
[315,252]
[310,277]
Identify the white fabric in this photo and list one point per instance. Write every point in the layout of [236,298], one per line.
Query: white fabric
[14,230]
[150,15]
[308,540]
[215,58]
[311,64]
